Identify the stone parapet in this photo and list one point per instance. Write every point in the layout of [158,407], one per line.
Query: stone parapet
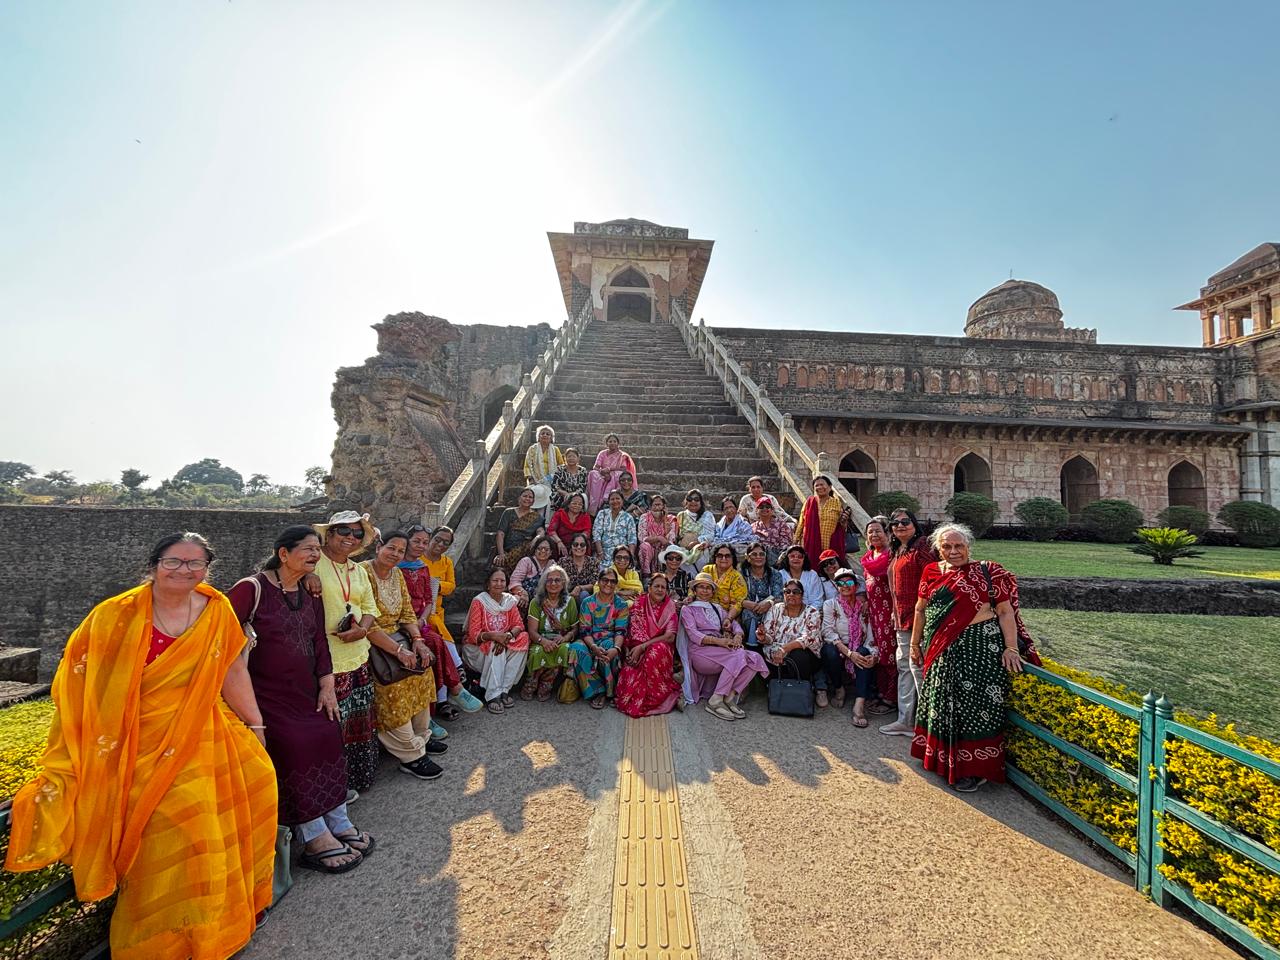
[1228,598]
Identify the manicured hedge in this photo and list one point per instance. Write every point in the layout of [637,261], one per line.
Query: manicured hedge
[1229,792]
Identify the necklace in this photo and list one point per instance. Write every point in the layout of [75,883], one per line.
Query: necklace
[155,616]
[389,601]
[297,592]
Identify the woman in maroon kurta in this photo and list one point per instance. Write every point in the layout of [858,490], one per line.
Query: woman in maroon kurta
[292,674]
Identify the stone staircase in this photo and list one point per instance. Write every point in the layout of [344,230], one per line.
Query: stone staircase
[19,668]
[637,380]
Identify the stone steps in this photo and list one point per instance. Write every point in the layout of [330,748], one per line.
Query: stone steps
[569,413]
[19,664]
[16,691]
[661,434]
[622,408]
[616,390]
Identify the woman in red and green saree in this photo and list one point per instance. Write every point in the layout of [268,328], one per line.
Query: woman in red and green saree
[966,634]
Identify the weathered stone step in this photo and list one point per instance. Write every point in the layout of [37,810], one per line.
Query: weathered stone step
[635,422]
[19,664]
[654,386]
[658,434]
[703,447]
[696,463]
[15,691]
[656,397]
[622,409]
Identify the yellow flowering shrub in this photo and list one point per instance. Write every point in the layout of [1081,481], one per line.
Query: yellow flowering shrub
[24,729]
[1232,793]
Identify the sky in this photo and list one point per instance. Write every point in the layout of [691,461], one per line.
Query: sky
[204,206]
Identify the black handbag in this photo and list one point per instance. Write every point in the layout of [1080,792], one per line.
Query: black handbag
[790,698]
[385,668]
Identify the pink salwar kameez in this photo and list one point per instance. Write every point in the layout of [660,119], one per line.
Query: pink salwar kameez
[599,487]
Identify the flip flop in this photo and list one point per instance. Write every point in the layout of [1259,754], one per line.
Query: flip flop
[320,861]
[359,837]
[859,722]
[597,702]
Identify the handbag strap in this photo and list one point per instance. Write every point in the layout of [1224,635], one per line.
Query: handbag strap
[251,639]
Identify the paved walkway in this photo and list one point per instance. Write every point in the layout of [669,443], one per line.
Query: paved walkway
[800,839]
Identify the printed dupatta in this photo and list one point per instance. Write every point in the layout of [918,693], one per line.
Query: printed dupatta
[647,622]
[955,597]
[812,521]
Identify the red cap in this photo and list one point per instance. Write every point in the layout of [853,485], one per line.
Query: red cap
[827,555]
[764,502]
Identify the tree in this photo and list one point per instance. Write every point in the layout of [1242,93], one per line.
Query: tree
[132,479]
[13,473]
[210,471]
[258,483]
[315,479]
[60,478]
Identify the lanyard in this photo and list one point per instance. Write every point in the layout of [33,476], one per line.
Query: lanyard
[346,590]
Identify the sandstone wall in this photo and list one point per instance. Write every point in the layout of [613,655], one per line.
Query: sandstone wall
[924,466]
[810,371]
[408,416]
[57,562]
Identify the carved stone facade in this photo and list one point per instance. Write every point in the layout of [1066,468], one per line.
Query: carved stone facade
[1022,310]
[408,416]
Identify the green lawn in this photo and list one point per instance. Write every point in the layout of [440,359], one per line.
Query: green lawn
[1229,666]
[1060,559]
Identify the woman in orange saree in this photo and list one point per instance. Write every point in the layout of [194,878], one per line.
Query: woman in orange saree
[153,785]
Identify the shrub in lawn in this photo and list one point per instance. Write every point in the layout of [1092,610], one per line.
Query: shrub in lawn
[1043,517]
[974,510]
[1166,544]
[1256,524]
[1185,518]
[890,500]
[1111,521]
[1213,783]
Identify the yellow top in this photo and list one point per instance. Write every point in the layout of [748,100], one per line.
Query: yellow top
[539,465]
[731,589]
[345,587]
[442,570]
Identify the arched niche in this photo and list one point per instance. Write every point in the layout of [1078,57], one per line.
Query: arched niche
[972,474]
[1186,486]
[1078,482]
[491,407]
[628,295]
[858,474]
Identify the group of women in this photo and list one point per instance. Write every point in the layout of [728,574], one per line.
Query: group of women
[189,723]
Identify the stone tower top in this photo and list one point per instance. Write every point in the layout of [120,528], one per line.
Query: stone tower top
[630,268]
[1021,310]
[1240,300]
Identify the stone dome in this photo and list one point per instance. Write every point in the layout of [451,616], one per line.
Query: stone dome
[1016,310]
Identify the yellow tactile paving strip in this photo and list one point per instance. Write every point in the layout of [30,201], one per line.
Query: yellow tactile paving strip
[652,916]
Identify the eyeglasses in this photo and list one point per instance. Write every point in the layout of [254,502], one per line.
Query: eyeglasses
[901,522]
[791,590]
[846,583]
[692,499]
[724,556]
[357,532]
[608,579]
[173,563]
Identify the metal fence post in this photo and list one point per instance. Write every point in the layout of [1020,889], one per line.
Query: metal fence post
[1159,785]
[1146,778]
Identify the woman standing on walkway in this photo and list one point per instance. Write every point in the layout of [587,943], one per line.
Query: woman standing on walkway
[598,650]
[349,611]
[715,661]
[879,609]
[910,554]
[155,781]
[404,724]
[607,472]
[764,589]
[646,684]
[553,625]
[656,531]
[518,528]
[965,637]
[497,643]
[292,674]
[822,522]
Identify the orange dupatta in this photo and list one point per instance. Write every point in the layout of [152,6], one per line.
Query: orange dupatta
[141,758]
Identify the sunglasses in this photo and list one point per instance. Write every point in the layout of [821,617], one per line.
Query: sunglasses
[608,579]
[791,590]
[344,531]
[846,583]
[724,556]
[901,522]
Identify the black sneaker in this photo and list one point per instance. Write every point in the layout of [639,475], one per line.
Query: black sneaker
[968,784]
[422,768]
[436,746]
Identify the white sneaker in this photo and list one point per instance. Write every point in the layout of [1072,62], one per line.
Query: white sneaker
[897,729]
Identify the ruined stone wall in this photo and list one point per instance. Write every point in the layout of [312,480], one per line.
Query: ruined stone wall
[809,371]
[408,416]
[1130,469]
[56,563]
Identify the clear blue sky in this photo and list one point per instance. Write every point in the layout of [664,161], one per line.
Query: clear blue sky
[205,205]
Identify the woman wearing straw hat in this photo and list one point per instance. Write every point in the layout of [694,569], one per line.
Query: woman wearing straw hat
[715,661]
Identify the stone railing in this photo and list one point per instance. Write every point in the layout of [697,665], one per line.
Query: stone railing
[775,432]
[483,480]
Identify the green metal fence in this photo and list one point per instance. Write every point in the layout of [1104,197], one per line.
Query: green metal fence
[1155,799]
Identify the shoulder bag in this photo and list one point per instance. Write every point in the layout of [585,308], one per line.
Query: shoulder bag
[385,668]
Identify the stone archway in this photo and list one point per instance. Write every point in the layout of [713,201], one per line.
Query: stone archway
[972,474]
[858,474]
[1078,483]
[1186,486]
[628,295]
[491,407]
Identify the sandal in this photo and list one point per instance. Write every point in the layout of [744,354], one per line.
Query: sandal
[597,702]
[881,708]
[837,699]
[494,706]
[508,700]
[321,861]
[359,837]
[527,688]
[447,711]
[546,685]
[858,721]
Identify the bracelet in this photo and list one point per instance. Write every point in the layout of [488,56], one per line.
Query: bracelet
[255,726]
